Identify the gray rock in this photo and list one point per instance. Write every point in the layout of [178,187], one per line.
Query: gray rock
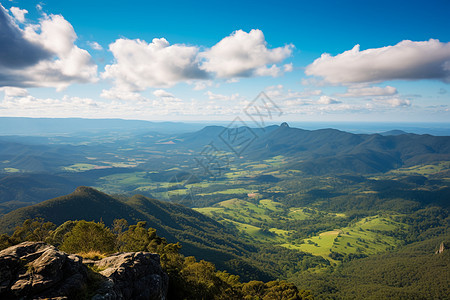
[33,270]
[132,275]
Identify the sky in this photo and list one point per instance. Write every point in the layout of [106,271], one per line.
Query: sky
[324,61]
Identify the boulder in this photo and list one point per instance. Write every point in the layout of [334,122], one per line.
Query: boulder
[33,270]
[36,270]
[132,275]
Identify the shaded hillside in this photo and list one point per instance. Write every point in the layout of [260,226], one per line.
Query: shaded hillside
[332,151]
[37,158]
[200,235]
[83,204]
[18,190]
[222,137]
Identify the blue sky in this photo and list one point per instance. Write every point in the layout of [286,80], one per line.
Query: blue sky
[207,60]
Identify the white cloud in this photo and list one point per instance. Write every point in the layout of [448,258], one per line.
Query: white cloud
[273,71]
[278,92]
[24,104]
[369,91]
[201,85]
[244,54]
[407,60]
[95,46]
[19,14]
[288,67]
[327,100]
[139,65]
[14,92]
[120,94]
[212,96]
[394,102]
[163,94]
[43,54]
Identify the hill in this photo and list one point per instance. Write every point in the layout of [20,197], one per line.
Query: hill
[327,151]
[200,235]
[393,132]
[18,190]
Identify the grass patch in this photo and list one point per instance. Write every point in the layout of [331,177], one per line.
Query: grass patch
[94,255]
[79,167]
[367,236]
[423,169]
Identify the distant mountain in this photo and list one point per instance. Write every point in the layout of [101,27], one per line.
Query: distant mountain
[223,138]
[200,235]
[51,126]
[393,132]
[37,157]
[332,151]
[18,190]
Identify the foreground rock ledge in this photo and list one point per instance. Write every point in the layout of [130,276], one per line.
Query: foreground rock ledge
[36,270]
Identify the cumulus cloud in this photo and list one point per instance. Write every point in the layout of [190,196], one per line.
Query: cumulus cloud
[278,92]
[288,67]
[407,60]
[19,14]
[369,91]
[201,84]
[244,54]
[42,54]
[19,102]
[212,96]
[115,93]
[17,51]
[95,46]
[394,102]
[163,94]
[139,65]
[327,100]
[14,92]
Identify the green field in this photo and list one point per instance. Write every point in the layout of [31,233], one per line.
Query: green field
[230,191]
[423,169]
[79,167]
[367,236]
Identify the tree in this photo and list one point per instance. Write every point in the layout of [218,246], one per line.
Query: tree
[89,236]
[36,230]
[5,241]
[59,233]
[136,238]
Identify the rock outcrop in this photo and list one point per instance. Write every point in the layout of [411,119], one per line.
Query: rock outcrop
[132,275]
[441,248]
[36,270]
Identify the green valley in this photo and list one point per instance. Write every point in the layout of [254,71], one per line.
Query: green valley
[298,205]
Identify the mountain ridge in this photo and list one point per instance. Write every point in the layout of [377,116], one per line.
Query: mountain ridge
[200,235]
